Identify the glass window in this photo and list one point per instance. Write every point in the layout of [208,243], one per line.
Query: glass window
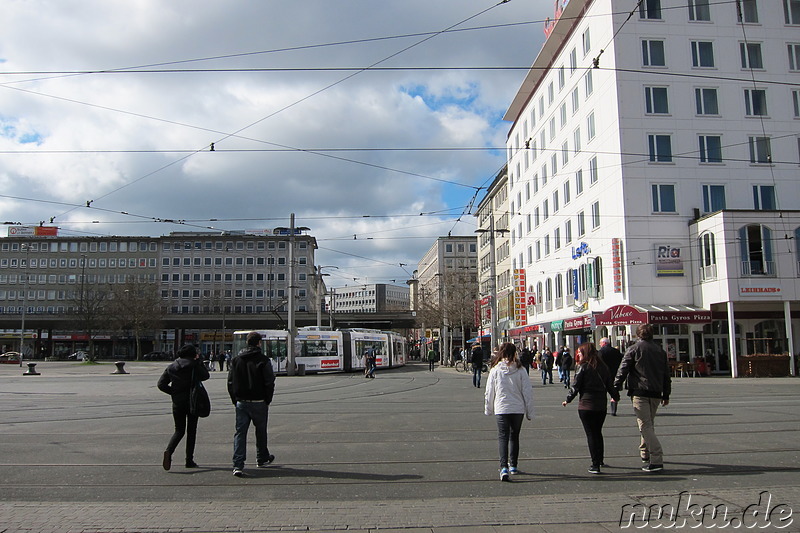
[751,55]
[710,148]
[576,104]
[590,126]
[566,192]
[663,198]
[595,215]
[748,12]
[587,42]
[656,100]
[698,10]
[760,149]
[576,140]
[791,11]
[653,54]
[588,84]
[581,221]
[660,148]
[755,102]
[702,54]
[706,101]
[573,61]
[567,232]
[593,174]
[650,9]
[794,56]
[713,198]
[756,249]
[579,182]
[796,102]
[764,197]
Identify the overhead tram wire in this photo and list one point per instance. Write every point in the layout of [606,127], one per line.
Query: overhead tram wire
[303,99]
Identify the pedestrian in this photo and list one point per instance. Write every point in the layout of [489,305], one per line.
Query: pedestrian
[369,362]
[592,382]
[526,358]
[509,397]
[566,365]
[177,381]
[431,359]
[612,358]
[646,368]
[546,364]
[558,356]
[251,385]
[221,361]
[476,359]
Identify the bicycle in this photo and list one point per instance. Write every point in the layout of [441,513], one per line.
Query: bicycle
[463,366]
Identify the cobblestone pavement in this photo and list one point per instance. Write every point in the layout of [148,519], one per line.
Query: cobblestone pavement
[409,451]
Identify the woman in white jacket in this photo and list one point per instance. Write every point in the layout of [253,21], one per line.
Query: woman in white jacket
[508,396]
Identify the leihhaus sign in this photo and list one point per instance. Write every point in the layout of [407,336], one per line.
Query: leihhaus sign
[759,290]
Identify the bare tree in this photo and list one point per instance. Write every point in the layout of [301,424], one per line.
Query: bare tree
[88,304]
[135,306]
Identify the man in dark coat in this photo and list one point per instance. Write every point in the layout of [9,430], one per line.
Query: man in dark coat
[476,358]
[251,385]
[612,358]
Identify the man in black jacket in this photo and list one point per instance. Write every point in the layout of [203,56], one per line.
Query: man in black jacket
[612,358]
[251,384]
[646,368]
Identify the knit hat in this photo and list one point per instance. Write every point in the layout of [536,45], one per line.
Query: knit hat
[187,351]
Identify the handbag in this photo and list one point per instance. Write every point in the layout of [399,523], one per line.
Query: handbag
[199,402]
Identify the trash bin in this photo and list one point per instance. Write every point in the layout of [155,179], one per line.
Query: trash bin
[301,369]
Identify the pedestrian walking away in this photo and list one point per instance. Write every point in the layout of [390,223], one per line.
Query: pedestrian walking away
[370,362]
[546,365]
[509,397]
[612,358]
[646,368]
[592,382]
[476,359]
[566,365]
[251,385]
[526,358]
[431,359]
[177,381]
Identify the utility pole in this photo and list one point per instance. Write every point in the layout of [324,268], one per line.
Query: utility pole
[26,247]
[290,357]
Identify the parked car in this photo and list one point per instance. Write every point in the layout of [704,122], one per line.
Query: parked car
[157,356]
[10,358]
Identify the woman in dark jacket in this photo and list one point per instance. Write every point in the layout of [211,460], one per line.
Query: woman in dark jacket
[177,382]
[592,382]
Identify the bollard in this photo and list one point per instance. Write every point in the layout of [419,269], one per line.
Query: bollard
[31,370]
[120,368]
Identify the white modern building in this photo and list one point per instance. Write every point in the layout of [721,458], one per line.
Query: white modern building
[369,298]
[653,168]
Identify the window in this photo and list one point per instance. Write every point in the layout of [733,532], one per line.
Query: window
[755,102]
[713,198]
[552,128]
[791,11]
[708,257]
[551,94]
[660,148]
[579,182]
[566,192]
[561,77]
[593,175]
[650,9]
[595,215]
[663,198]
[764,197]
[568,232]
[587,42]
[796,102]
[653,54]
[698,10]
[706,101]
[546,245]
[573,61]
[749,12]
[563,115]
[760,149]
[794,56]
[756,248]
[656,100]
[557,238]
[710,148]
[590,126]
[545,210]
[576,140]
[564,154]
[576,104]
[588,84]
[581,224]
[702,54]
[556,203]
[751,55]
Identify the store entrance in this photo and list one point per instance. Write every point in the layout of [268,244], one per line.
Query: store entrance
[715,352]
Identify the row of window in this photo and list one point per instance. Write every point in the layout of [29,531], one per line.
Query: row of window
[70,279]
[747,11]
[707,101]
[756,249]
[83,246]
[702,55]
[228,261]
[229,245]
[229,293]
[115,262]
[228,278]
[583,282]
[710,149]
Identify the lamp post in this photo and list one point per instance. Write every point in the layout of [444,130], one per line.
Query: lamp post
[494,335]
[319,286]
[290,356]
[25,247]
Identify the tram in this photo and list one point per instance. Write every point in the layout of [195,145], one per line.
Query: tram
[325,350]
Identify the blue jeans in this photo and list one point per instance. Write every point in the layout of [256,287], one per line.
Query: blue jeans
[246,412]
[566,378]
[508,428]
[476,375]
[547,374]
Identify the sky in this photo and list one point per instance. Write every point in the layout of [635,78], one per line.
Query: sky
[367,120]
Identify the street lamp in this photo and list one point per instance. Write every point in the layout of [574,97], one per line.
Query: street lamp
[494,334]
[319,285]
[292,230]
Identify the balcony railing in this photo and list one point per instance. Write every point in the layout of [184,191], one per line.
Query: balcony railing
[758,268]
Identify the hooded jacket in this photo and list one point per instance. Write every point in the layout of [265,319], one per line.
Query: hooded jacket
[508,391]
[251,376]
[177,378]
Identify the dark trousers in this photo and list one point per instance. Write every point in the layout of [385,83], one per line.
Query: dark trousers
[476,375]
[431,364]
[185,424]
[593,426]
[508,428]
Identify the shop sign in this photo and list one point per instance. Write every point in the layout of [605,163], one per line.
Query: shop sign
[581,322]
[520,310]
[680,317]
[33,231]
[557,325]
[616,263]
[581,251]
[668,261]
[759,290]
[621,315]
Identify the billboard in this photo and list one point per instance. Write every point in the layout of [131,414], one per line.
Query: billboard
[668,260]
[33,231]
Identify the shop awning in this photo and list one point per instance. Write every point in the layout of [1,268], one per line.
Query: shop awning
[626,315]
